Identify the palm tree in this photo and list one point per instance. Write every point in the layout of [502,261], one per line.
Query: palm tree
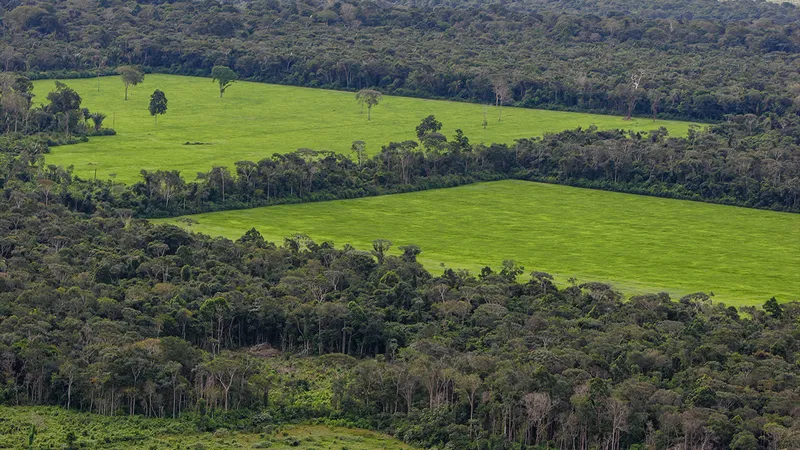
[97,118]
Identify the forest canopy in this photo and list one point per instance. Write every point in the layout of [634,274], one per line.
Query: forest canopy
[700,60]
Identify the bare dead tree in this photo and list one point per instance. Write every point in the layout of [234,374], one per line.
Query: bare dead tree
[633,91]
[502,93]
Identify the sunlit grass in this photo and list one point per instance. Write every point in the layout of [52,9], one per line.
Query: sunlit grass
[255,120]
[636,243]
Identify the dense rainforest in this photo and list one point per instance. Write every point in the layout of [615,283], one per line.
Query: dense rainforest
[698,60]
[117,316]
[103,312]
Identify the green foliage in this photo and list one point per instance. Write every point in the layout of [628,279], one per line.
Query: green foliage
[131,76]
[702,59]
[773,308]
[282,116]
[370,98]
[744,440]
[644,250]
[307,331]
[224,76]
[158,104]
[67,429]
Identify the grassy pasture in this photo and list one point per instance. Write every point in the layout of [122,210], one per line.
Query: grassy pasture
[124,432]
[636,243]
[255,120]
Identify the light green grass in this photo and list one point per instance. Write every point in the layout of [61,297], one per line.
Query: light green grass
[256,120]
[637,243]
[94,431]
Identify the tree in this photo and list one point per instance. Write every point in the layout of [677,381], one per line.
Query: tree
[63,101]
[632,92]
[158,104]
[131,76]
[655,101]
[223,369]
[469,385]
[501,94]
[380,247]
[359,147]
[427,126]
[773,308]
[369,97]
[98,119]
[744,440]
[224,76]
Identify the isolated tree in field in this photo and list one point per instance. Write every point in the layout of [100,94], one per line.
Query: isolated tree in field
[359,147]
[224,76]
[369,97]
[131,76]
[501,94]
[158,104]
[427,126]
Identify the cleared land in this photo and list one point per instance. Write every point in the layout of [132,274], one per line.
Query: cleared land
[637,243]
[122,432]
[256,120]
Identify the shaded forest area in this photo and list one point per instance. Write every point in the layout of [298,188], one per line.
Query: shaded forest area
[691,60]
[120,317]
[103,312]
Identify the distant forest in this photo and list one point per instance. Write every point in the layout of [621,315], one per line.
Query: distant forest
[101,311]
[698,60]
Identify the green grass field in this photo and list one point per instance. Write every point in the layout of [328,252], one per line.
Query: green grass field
[123,432]
[255,120]
[637,243]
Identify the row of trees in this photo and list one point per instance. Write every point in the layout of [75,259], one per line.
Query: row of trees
[113,315]
[746,161]
[705,68]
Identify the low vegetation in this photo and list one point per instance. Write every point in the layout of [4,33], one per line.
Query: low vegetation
[36,428]
[254,120]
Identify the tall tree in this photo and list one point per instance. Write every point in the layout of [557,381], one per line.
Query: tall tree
[158,104]
[633,91]
[502,92]
[427,126]
[369,97]
[359,147]
[224,76]
[98,119]
[131,76]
